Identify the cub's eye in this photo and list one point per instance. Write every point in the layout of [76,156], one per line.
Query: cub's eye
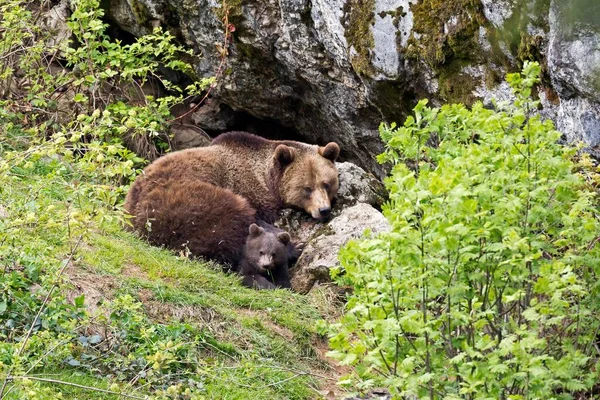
[262,253]
[273,255]
[326,186]
[307,190]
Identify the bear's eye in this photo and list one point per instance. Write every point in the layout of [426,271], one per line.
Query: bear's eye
[273,255]
[307,190]
[262,253]
[326,185]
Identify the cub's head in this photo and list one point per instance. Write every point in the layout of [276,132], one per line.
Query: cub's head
[310,179]
[266,251]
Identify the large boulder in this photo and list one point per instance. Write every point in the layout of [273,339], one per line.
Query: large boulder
[321,252]
[334,69]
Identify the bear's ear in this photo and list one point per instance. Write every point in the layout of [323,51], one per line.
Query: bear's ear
[331,151]
[284,237]
[256,230]
[284,154]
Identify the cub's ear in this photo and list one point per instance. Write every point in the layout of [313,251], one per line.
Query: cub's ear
[283,237]
[256,230]
[284,154]
[331,151]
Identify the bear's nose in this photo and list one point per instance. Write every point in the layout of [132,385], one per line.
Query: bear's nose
[324,211]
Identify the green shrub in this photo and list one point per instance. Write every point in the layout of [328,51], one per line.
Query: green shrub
[488,284]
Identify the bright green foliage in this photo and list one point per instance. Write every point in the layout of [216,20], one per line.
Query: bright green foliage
[487,286]
[100,96]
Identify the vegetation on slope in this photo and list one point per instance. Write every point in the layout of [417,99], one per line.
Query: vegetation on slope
[130,317]
[88,310]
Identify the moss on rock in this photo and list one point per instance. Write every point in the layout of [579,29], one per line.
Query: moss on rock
[445,36]
[359,16]
[447,30]
[140,12]
[233,7]
[455,85]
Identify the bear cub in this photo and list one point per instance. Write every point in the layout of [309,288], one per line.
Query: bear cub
[268,253]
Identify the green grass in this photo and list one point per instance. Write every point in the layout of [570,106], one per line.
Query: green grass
[68,391]
[239,343]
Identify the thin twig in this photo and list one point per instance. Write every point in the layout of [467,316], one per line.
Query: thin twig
[220,69]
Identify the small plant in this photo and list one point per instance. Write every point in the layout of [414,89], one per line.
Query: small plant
[487,286]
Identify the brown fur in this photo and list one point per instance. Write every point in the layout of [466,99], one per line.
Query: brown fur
[266,258]
[206,220]
[269,174]
[206,198]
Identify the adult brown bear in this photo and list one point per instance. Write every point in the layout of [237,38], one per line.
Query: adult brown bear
[206,198]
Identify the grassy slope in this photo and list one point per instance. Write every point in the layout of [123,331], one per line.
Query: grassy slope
[259,345]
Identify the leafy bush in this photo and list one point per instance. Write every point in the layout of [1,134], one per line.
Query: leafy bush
[487,285]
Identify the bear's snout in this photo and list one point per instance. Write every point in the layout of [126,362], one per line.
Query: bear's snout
[325,211]
[265,262]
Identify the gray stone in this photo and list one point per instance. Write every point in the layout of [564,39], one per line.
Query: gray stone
[574,67]
[327,17]
[386,57]
[497,11]
[359,186]
[213,115]
[574,52]
[55,21]
[321,252]
[186,136]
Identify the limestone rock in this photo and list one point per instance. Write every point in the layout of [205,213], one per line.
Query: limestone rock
[186,136]
[574,66]
[55,21]
[359,186]
[321,252]
[213,115]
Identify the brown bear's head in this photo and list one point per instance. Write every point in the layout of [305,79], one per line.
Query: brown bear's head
[310,180]
[266,251]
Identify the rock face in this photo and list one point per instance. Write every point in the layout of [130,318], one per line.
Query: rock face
[574,66]
[353,213]
[359,186]
[334,69]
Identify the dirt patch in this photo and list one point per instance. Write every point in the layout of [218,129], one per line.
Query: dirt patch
[134,271]
[168,312]
[96,288]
